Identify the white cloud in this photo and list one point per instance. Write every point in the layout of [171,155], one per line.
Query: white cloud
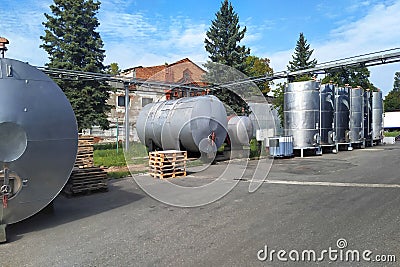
[378,30]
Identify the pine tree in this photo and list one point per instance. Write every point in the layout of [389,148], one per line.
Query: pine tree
[72,43]
[222,44]
[223,38]
[302,58]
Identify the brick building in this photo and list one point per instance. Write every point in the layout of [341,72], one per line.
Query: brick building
[183,72]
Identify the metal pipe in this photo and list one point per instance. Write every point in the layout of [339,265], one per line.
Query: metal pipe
[126,86]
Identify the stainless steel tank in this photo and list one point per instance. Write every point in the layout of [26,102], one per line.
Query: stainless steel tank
[38,140]
[240,130]
[367,117]
[327,94]
[377,113]
[342,115]
[301,113]
[356,115]
[195,124]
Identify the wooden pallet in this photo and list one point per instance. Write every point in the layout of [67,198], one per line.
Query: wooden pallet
[167,164]
[86,180]
[84,156]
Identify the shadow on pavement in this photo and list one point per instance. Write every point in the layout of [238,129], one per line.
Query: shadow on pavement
[73,208]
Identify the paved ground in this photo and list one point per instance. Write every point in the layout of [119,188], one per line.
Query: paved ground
[306,204]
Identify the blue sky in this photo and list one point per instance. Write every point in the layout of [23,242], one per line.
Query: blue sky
[153,32]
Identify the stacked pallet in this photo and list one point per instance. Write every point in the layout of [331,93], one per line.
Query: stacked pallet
[84,156]
[85,177]
[167,164]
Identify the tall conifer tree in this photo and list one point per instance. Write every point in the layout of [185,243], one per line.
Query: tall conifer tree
[223,45]
[72,43]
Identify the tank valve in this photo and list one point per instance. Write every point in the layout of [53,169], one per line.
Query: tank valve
[5,189]
[212,136]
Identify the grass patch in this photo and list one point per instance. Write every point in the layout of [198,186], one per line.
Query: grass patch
[392,134]
[108,157]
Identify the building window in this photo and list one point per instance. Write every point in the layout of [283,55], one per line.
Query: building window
[146,101]
[121,101]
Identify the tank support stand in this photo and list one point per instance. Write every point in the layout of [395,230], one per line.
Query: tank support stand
[3,236]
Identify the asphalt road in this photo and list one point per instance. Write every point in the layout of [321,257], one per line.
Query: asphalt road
[306,204]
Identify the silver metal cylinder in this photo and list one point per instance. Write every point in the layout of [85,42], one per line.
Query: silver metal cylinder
[301,113]
[38,139]
[189,123]
[327,94]
[342,115]
[367,115]
[377,113]
[240,131]
[356,115]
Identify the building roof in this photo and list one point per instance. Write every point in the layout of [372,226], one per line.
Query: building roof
[149,72]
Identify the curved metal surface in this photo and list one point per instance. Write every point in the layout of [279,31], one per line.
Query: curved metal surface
[240,130]
[185,123]
[39,136]
[327,94]
[377,113]
[342,115]
[356,133]
[265,121]
[301,112]
[367,115]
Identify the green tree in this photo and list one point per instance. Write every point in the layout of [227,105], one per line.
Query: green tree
[396,83]
[278,101]
[113,69]
[353,76]
[223,45]
[392,100]
[302,58]
[256,66]
[72,43]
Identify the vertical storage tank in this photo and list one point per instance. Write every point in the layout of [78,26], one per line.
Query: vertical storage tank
[301,113]
[342,112]
[327,95]
[367,117]
[377,113]
[195,124]
[356,115]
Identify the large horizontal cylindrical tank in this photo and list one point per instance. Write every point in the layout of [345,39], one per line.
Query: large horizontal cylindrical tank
[301,113]
[38,140]
[240,130]
[342,115]
[356,115]
[327,94]
[195,124]
[377,113]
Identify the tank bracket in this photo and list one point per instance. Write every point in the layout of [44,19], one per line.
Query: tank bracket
[3,236]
